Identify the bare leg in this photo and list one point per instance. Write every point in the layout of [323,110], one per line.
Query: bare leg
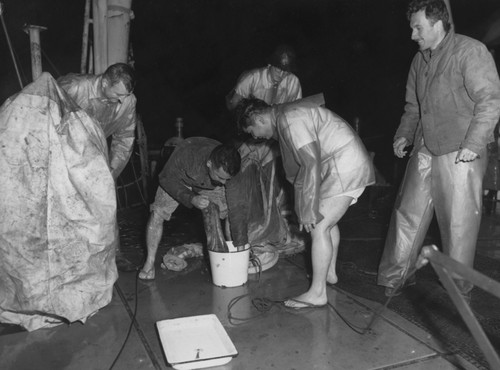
[325,243]
[154,231]
[331,277]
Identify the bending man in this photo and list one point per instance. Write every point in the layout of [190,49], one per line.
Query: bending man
[109,99]
[194,175]
[329,168]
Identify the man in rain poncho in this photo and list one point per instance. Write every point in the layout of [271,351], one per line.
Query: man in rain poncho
[57,210]
[108,98]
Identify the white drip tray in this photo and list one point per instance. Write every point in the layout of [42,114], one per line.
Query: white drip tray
[195,342]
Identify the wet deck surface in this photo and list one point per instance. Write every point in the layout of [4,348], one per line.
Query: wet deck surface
[279,338]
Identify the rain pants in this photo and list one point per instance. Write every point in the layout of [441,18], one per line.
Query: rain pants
[434,184]
[57,210]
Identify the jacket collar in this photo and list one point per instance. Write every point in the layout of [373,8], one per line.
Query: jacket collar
[443,45]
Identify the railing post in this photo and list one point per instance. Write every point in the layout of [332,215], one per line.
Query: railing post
[36,50]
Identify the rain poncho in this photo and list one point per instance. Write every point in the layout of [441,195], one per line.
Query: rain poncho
[322,156]
[253,195]
[57,210]
[116,119]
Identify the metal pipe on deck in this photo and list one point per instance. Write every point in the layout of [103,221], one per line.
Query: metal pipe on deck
[85,38]
[35,47]
[119,15]
[99,23]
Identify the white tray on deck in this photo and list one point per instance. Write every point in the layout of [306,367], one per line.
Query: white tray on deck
[195,342]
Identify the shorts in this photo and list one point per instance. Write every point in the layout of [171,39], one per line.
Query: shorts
[354,194]
[164,205]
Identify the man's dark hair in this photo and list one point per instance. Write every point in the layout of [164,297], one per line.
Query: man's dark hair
[227,157]
[435,10]
[246,108]
[121,72]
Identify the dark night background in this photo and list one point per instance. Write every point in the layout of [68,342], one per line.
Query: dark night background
[189,53]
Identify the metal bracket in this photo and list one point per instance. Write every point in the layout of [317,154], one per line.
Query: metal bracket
[446,267]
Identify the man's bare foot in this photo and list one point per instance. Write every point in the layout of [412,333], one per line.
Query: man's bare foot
[147,272]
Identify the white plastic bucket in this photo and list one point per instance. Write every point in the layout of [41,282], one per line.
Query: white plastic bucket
[229,269]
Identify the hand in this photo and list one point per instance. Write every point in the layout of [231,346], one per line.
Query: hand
[421,262]
[423,259]
[244,247]
[466,155]
[399,145]
[307,227]
[200,201]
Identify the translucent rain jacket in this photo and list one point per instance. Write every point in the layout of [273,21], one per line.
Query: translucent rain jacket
[322,156]
[116,119]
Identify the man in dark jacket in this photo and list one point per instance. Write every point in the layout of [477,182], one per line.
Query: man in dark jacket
[452,106]
[194,175]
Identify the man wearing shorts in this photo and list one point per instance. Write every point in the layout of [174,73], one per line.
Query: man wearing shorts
[194,175]
[329,168]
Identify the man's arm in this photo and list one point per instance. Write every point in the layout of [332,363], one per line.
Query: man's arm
[120,151]
[483,86]
[122,141]
[294,90]
[240,91]
[232,99]
[411,115]
[307,184]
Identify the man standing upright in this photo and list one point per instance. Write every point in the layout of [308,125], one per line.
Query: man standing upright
[109,100]
[452,106]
